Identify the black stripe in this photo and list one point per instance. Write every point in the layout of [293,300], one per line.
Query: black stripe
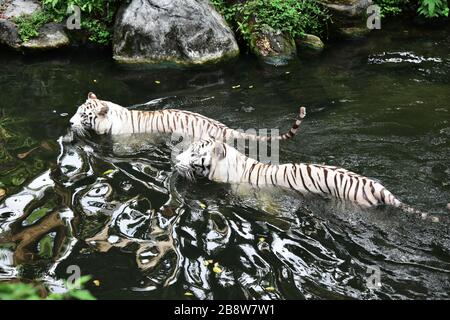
[287,178]
[308,169]
[303,180]
[132,120]
[250,173]
[325,170]
[345,185]
[356,188]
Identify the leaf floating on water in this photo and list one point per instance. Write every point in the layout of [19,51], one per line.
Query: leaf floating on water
[46,146]
[236,87]
[216,268]
[205,263]
[97,283]
[202,205]
[157,81]
[188,294]
[269,289]
[262,239]
[95,81]
[250,87]
[108,172]
[287,72]
[17,181]
[26,154]
[2,192]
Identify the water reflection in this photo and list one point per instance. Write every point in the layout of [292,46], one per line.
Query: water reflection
[115,208]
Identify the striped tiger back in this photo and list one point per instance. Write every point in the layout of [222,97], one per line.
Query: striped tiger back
[104,117]
[223,163]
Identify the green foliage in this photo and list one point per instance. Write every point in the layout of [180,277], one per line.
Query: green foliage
[294,17]
[29,25]
[99,32]
[97,18]
[426,8]
[433,8]
[26,291]
[391,7]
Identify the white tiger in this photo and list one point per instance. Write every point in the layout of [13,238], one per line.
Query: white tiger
[104,117]
[220,162]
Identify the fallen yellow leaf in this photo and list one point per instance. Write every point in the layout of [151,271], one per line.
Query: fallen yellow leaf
[202,205]
[206,263]
[2,192]
[216,268]
[189,294]
[157,81]
[262,239]
[235,87]
[270,289]
[108,172]
[250,87]
[96,282]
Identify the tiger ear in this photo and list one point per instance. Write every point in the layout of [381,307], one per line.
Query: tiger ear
[219,150]
[103,110]
[92,95]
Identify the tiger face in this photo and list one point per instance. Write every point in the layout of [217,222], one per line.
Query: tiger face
[198,158]
[91,116]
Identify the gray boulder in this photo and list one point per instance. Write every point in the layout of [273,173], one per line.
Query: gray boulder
[348,8]
[17,8]
[180,31]
[274,46]
[349,17]
[310,43]
[51,35]
[9,35]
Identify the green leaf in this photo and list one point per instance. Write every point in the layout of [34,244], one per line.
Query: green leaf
[82,295]
[17,181]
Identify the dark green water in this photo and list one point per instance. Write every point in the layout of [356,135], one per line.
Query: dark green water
[379,107]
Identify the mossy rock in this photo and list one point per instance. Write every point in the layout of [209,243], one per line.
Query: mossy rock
[273,45]
[309,43]
[51,36]
[353,32]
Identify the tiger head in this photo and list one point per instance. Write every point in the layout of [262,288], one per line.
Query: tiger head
[91,116]
[198,159]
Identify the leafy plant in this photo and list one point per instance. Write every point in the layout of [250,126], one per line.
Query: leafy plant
[294,17]
[26,291]
[97,17]
[433,8]
[29,25]
[426,8]
[391,7]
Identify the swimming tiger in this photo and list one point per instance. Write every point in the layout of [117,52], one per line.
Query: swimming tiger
[104,117]
[220,162]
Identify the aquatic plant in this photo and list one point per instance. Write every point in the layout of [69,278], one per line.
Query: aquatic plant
[15,165]
[29,291]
